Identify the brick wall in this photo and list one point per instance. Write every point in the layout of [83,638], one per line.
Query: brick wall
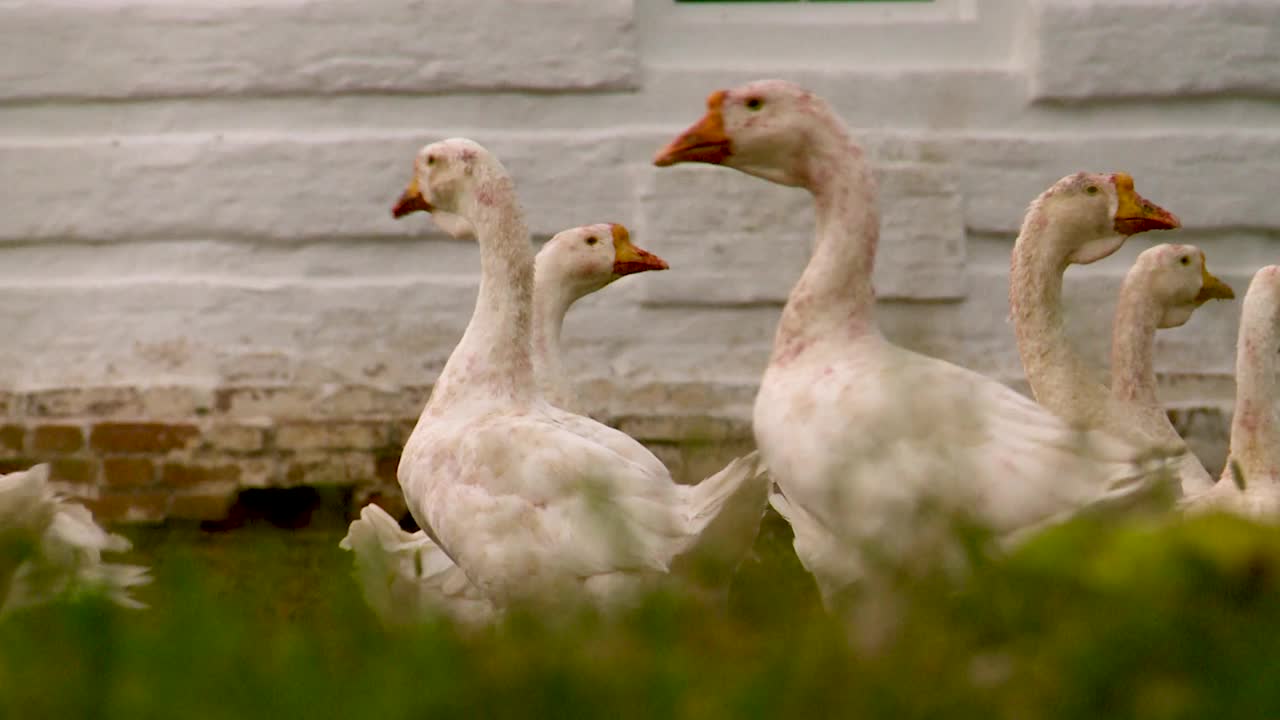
[146,454]
[203,290]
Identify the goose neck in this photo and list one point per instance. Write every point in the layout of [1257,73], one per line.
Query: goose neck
[1133,375]
[835,296]
[551,303]
[494,356]
[1255,437]
[1054,370]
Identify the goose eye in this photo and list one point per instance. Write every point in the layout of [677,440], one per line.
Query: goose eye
[1185,260]
[593,240]
[431,159]
[1092,189]
[754,103]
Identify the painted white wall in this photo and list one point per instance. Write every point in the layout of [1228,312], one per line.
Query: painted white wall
[198,192]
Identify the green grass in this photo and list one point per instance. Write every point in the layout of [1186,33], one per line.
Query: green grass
[1139,621]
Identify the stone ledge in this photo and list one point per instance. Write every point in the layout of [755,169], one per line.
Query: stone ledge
[141,49]
[1210,178]
[293,185]
[738,241]
[1154,48]
[160,401]
[683,428]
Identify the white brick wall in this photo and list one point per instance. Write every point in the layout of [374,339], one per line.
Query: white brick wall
[197,192]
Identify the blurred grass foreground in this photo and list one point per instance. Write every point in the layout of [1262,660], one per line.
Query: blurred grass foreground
[1148,619]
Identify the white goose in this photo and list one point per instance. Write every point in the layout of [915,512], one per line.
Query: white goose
[573,264]
[50,547]
[406,577]
[1255,433]
[1081,219]
[1163,288]
[860,434]
[530,500]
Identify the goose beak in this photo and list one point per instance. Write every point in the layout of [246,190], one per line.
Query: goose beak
[411,201]
[1136,214]
[705,141]
[629,259]
[1211,288]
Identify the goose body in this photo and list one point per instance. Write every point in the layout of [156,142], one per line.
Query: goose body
[860,435]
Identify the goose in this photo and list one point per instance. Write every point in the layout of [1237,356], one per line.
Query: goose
[1250,483]
[530,501]
[860,435]
[1081,219]
[573,264]
[1166,284]
[405,577]
[50,547]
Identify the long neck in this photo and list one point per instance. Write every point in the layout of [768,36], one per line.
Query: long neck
[1133,333]
[493,360]
[551,302]
[1055,371]
[1255,438]
[835,296]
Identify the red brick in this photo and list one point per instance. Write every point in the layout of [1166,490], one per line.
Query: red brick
[398,431]
[388,467]
[235,437]
[15,464]
[331,436]
[89,401]
[140,437]
[174,401]
[11,438]
[176,474]
[81,471]
[259,471]
[202,505]
[331,469]
[388,498]
[56,439]
[269,401]
[128,472]
[356,400]
[129,507]
[684,428]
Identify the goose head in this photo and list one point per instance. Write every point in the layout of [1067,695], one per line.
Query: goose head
[584,259]
[1178,281]
[1095,213]
[452,180]
[765,128]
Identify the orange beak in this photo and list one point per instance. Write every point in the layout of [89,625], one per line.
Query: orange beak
[1211,288]
[1137,214]
[411,201]
[629,259]
[704,142]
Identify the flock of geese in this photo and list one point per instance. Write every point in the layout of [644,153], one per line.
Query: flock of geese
[521,497]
